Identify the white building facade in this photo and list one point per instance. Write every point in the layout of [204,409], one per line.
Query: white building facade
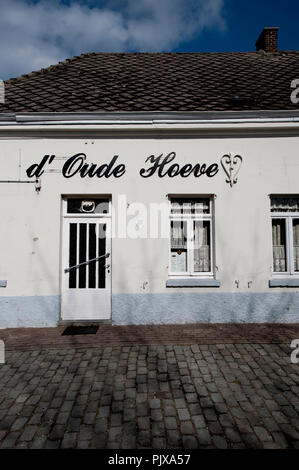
[149,218]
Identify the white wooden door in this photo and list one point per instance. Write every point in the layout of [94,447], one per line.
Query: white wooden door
[86,268]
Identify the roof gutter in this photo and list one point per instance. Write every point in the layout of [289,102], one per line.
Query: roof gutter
[151,118]
[142,125]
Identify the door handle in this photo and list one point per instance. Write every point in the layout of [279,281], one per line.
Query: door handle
[86,262]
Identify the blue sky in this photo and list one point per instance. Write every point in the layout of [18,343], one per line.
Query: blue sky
[37,33]
[244,22]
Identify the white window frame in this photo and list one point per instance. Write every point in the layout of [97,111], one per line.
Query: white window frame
[288,217]
[190,218]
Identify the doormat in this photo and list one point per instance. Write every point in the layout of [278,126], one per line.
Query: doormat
[80,330]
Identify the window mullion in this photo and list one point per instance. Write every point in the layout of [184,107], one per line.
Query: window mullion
[190,246]
[290,245]
[211,241]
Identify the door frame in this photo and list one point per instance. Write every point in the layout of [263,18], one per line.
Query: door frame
[63,245]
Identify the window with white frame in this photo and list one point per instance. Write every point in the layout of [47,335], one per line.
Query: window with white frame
[191,235]
[285,234]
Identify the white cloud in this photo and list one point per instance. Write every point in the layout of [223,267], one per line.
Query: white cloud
[37,34]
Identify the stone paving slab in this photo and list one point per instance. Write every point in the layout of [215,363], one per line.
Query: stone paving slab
[110,335]
[150,396]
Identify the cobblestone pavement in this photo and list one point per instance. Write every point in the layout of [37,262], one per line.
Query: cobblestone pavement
[175,396]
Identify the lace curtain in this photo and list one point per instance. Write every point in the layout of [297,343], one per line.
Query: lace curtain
[180,206]
[296,243]
[178,235]
[202,246]
[201,239]
[279,245]
[284,204]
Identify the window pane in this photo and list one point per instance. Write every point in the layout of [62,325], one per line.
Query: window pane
[91,255]
[202,244]
[102,261]
[88,206]
[73,256]
[82,256]
[296,243]
[279,245]
[178,246]
[285,204]
[185,206]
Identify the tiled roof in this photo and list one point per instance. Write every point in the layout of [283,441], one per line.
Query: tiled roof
[158,82]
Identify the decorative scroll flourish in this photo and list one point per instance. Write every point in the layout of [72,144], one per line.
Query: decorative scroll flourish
[231,166]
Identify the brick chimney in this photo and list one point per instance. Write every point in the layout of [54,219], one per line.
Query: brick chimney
[268,40]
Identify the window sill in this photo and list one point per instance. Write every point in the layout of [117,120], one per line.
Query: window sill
[192,282]
[288,282]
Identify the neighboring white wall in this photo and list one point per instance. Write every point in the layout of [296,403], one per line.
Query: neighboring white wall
[31,223]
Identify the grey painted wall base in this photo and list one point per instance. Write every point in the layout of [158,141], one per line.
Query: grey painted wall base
[142,309]
[32,311]
[146,309]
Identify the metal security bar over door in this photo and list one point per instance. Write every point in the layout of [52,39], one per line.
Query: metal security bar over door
[86,291]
